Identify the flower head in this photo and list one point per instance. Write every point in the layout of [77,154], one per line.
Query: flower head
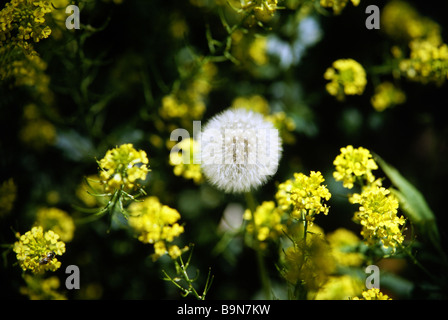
[36,250]
[122,167]
[266,222]
[183,163]
[386,96]
[373,294]
[240,150]
[347,77]
[337,5]
[378,216]
[305,194]
[57,220]
[156,224]
[354,164]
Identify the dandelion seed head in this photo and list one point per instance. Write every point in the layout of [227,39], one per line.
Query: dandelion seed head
[240,150]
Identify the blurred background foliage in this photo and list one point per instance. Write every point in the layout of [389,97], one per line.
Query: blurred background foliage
[107,84]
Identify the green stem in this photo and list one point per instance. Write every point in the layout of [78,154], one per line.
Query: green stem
[261,265]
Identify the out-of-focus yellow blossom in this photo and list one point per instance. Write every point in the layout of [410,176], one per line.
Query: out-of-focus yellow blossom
[354,165]
[285,126]
[378,216]
[343,244]
[386,96]
[156,224]
[402,22]
[347,77]
[373,294]
[337,5]
[42,289]
[38,133]
[175,106]
[311,263]
[259,104]
[339,288]
[183,161]
[257,51]
[34,247]
[188,102]
[8,194]
[89,191]
[122,166]
[268,222]
[254,102]
[262,10]
[427,62]
[305,195]
[57,220]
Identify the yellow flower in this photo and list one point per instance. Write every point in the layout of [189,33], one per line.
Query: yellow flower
[122,166]
[156,224]
[36,250]
[57,220]
[337,5]
[347,77]
[309,263]
[339,288]
[386,96]
[183,162]
[268,222]
[378,216]
[354,165]
[263,10]
[343,244]
[8,194]
[428,62]
[305,195]
[42,289]
[373,294]
[402,22]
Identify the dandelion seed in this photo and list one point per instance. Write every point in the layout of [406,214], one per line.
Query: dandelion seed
[240,150]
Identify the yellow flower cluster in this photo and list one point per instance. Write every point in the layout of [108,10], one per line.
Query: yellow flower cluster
[266,222]
[373,294]
[36,250]
[428,62]
[262,10]
[8,194]
[309,263]
[57,220]
[347,77]
[23,20]
[378,216]
[183,162]
[428,57]
[305,195]
[378,207]
[37,132]
[280,119]
[402,22]
[156,224]
[337,5]
[42,289]
[343,244]
[386,96]
[122,166]
[189,101]
[354,165]
[340,287]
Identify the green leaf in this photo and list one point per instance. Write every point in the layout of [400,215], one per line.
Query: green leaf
[412,203]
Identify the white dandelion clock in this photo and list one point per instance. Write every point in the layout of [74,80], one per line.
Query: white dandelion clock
[240,150]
